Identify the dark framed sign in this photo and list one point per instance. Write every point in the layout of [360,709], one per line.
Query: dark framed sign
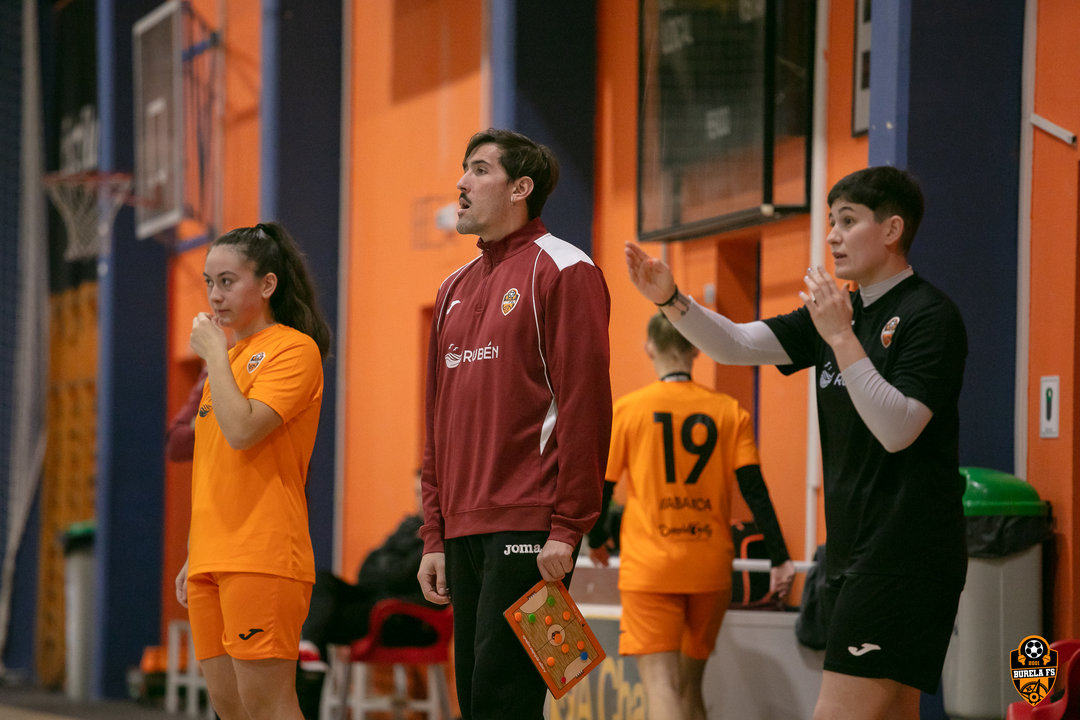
[724,114]
[860,82]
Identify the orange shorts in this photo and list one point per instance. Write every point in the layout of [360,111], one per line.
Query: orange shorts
[666,622]
[250,616]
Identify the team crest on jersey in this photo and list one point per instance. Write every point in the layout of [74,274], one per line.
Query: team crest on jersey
[888,331]
[255,360]
[1034,666]
[510,300]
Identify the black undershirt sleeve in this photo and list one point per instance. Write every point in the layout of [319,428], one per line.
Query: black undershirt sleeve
[599,533]
[752,487]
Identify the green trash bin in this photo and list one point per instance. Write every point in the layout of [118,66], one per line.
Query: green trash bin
[1001,604]
[78,543]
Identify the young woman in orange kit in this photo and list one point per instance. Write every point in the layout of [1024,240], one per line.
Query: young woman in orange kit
[250,569]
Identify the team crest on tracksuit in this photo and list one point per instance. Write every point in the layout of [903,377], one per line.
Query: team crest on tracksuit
[254,361]
[888,331]
[510,300]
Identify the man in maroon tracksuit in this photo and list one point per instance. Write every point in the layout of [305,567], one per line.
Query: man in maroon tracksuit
[518,419]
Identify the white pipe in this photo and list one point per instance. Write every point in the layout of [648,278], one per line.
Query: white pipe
[1023,243]
[738,564]
[763,565]
[818,220]
[1066,136]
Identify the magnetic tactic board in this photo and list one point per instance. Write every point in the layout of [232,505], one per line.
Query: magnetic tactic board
[551,628]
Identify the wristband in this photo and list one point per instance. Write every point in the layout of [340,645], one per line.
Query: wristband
[671,300]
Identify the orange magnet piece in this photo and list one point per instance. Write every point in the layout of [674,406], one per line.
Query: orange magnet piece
[580,644]
[548,620]
[517,617]
[566,615]
[551,662]
[565,648]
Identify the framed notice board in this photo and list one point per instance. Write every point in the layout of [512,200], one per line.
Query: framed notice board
[724,114]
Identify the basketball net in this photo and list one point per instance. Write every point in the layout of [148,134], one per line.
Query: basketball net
[88,202]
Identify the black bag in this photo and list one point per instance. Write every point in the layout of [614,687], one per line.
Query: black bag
[338,613]
[390,569]
[994,536]
[748,589]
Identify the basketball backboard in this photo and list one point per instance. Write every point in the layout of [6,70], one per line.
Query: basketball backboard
[179,78]
[157,46]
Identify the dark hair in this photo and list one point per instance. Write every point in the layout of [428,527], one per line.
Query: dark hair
[665,337]
[270,247]
[886,191]
[521,157]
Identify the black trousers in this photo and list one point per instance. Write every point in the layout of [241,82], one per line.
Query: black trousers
[496,679]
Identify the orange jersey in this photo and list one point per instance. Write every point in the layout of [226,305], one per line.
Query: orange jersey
[248,509]
[680,444]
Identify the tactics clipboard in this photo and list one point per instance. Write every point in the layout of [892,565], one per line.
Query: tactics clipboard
[553,632]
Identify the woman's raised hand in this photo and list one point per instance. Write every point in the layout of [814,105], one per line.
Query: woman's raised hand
[651,276]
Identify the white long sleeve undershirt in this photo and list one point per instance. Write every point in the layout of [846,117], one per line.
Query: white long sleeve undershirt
[731,343]
[893,418]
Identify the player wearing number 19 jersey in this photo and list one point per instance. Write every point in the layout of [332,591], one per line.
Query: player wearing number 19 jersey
[680,443]
[681,446]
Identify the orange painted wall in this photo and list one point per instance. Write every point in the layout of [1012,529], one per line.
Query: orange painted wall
[187,295]
[615,211]
[418,94]
[1054,281]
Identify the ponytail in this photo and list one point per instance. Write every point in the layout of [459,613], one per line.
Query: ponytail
[272,249]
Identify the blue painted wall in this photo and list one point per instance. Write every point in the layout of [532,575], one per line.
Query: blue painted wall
[306,193]
[131,390]
[964,144]
[945,104]
[543,67]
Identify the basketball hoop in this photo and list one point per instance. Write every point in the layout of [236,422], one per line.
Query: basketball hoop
[88,201]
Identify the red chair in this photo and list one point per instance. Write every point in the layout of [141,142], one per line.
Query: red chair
[1066,707]
[346,687]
